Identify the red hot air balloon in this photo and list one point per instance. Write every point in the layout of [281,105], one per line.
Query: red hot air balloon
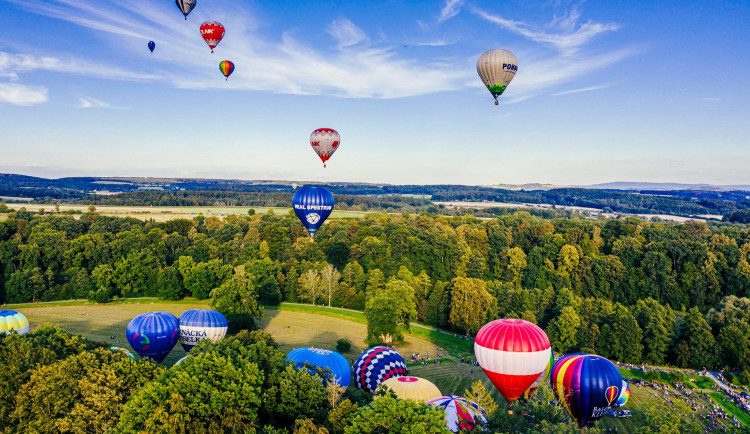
[513,353]
[213,33]
[324,142]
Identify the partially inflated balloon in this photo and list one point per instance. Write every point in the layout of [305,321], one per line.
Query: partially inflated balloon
[376,365]
[227,68]
[324,142]
[513,353]
[325,359]
[459,412]
[312,205]
[414,388]
[542,377]
[10,320]
[497,68]
[153,334]
[151,46]
[586,385]
[624,395]
[212,32]
[185,6]
[199,324]
[123,351]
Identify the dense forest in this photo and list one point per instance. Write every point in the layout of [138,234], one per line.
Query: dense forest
[629,290]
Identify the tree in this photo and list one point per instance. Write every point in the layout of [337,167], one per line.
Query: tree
[480,395]
[390,415]
[563,331]
[438,306]
[340,417]
[657,323]
[297,395]
[169,284]
[330,281]
[623,342]
[696,334]
[471,304]
[516,264]
[389,312]
[238,300]
[375,283]
[310,286]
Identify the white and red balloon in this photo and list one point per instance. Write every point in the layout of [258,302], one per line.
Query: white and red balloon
[324,142]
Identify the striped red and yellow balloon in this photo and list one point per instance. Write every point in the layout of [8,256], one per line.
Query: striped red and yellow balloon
[226,67]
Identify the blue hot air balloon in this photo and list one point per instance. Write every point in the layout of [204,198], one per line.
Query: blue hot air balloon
[199,324]
[340,369]
[376,365]
[586,385]
[151,46]
[153,334]
[10,320]
[312,205]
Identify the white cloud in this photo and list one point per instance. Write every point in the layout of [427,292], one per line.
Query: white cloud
[565,34]
[19,94]
[13,64]
[85,102]
[583,89]
[346,33]
[450,10]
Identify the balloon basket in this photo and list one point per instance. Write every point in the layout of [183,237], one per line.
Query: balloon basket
[496,103]
[510,411]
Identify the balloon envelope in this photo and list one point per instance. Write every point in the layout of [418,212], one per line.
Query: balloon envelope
[325,141]
[122,350]
[513,353]
[459,412]
[376,365]
[312,205]
[153,334]
[542,377]
[335,362]
[226,67]
[497,68]
[12,320]
[587,386]
[199,324]
[212,32]
[185,6]
[624,395]
[414,388]
[151,46]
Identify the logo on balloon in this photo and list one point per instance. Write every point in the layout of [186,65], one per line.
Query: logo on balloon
[313,218]
[611,394]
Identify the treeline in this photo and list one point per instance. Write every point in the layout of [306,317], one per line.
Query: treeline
[627,289]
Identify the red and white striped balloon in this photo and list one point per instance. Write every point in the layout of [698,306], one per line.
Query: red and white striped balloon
[324,142]
[513,353]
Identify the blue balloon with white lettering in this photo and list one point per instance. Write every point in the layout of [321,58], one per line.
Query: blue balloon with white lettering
[199,324]
[312,205]
[153,335]
[339,367]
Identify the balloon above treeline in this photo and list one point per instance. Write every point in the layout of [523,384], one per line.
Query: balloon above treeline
[11,321]
[324,359]
[199,324]
[587,386]
[312,205]
[459,412]
[185,6]
[212,32]
[226,67]
[497,68]
[414,388]
[153,335]
[151,46]
[513,353]
[376,365]
[325,141]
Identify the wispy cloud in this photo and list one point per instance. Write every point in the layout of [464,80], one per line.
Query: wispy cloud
[86,102]
[563,33]
[13,64]
[19,94]
[583,89]
[346,33]
[450,9]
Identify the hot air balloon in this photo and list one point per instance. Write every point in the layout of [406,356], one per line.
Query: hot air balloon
[376,365]
[185,6]
[151,46]
[459,413]
[497,68]
[227,68]
[153,334]
[10,320]
[199,324]
[513,353]
[312,205]
[335,362]
[181,360]
[624,395]
[586,385]
[324,142]
[213,33]
[414,388]
[541,379]
[122,350]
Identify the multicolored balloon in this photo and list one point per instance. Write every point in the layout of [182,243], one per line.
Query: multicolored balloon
[151,46]
[199,324]
[212,32]
[325,141]
[10,320]
[542,378]
[624,395]
[376,365]
[226,67]
[513,353]
[312,205]
[185,6]
[414,388]
[335,362]
[497,68]
[153,334]
[459,412]
[122,350]
[587,386]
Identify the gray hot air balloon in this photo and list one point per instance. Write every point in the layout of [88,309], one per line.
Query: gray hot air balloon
[497,68]
[185,6]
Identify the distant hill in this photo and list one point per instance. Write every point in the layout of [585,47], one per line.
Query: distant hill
[655,186]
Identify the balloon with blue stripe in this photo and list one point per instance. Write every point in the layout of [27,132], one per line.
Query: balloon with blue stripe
[10,320]
[199,324]
[339,367]
[153,335]
[312,205]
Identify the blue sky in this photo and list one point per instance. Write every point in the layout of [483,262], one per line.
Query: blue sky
[605,91]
